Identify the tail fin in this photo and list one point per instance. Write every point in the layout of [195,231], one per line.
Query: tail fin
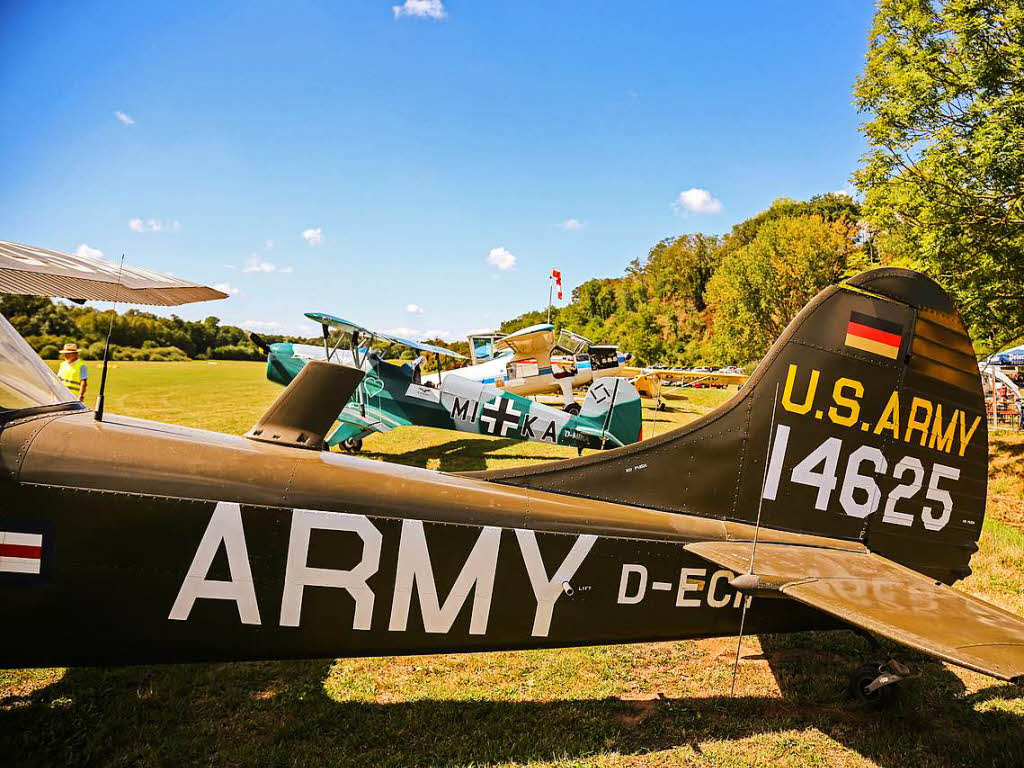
[612,412]
[869,414]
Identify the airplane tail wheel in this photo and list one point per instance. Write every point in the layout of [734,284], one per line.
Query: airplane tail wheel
[661,405]
[572,408]
[875,685]
[352,445]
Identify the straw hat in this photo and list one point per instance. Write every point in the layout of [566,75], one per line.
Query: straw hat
[69,349]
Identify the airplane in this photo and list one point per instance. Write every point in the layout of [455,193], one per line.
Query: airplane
[651,382]
[843,487]
[391,396]
[530,362]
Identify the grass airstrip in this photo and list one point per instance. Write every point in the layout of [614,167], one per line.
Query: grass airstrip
[664,704]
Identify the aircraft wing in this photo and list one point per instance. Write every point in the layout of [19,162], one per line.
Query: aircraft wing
[370,417]
[882,597]
[671,375]
[535,341]
[419,345]
[347,326]
[25,269]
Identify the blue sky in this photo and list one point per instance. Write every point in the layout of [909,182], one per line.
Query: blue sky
[419,166]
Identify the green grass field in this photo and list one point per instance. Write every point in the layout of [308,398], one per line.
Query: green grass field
[663,704]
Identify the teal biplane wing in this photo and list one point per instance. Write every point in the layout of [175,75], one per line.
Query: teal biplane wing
[339,324]
[357,420]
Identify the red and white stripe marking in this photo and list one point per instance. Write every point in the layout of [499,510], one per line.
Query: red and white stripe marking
[20,552]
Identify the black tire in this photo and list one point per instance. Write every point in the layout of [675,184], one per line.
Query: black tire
[572,408]
[877,699]
[661,406]
[352,445]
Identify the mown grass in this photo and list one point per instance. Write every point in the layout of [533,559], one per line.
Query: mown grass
[658,704]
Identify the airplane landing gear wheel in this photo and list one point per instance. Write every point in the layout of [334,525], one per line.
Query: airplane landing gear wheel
[661,405]
[352,445]
[877,685]
[572,408]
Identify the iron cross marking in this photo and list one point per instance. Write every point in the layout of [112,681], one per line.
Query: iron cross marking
[500,416]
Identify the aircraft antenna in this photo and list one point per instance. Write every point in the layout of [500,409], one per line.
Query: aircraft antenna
[106,351]
[753,547]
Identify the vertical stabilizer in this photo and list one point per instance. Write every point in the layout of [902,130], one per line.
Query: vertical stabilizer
[880,433]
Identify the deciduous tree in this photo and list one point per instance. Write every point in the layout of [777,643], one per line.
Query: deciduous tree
[943,89]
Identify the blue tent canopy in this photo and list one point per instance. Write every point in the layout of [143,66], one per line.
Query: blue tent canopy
[1011,356]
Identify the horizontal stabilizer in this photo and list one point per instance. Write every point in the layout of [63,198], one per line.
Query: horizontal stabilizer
[885,598]
[301,415]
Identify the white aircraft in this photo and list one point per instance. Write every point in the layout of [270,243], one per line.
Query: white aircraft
[530,362]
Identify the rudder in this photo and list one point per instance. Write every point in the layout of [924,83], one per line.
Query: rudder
[612,411]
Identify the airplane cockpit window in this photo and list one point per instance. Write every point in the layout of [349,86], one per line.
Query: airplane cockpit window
[25,381]
[483,348]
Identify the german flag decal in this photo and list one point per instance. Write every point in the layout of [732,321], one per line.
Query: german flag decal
[874,335]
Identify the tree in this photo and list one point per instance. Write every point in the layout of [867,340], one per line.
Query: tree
[46,323]
[759,287]
[944,177]
[831,207]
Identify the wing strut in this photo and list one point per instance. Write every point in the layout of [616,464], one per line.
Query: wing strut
[753,548]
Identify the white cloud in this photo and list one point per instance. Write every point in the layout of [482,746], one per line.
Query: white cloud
[152,225]
[428,9]
[269,244]
[124,117]
[696,200]
[417,334]
[313,236]
[256,263]
[572,224]
[414,309]
[501,258]
[263,325]
[225,288]
[88,253]
[275,326]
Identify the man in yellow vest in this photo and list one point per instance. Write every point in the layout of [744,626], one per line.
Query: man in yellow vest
[72,371]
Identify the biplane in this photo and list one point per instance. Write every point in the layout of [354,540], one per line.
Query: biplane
[531,362]
[843,487]
[395,395]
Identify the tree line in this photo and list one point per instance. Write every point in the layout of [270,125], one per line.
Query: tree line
[47,325]
[700,298]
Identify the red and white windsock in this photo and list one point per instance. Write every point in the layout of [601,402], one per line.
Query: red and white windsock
[20,552]
[557,277]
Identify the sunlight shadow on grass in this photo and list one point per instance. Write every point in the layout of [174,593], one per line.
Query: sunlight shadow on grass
[278,713]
